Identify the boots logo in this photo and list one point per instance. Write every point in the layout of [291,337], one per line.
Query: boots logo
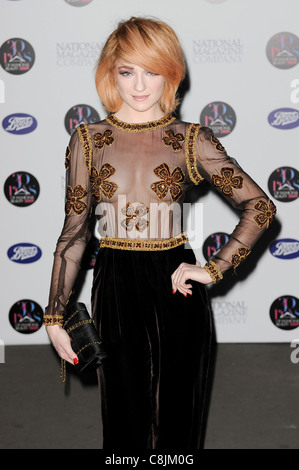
[19,124]
[284,118]
[286,248]
[24,253]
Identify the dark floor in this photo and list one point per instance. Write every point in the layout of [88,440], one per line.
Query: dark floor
[253,402]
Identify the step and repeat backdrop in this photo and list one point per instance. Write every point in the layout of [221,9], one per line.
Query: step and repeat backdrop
[243,82]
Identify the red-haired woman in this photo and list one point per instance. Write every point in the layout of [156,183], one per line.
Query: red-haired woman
[149,297]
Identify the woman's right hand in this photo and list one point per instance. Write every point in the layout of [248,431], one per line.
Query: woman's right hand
[62,343]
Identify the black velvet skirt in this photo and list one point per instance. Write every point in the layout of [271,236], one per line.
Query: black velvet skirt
[154,380]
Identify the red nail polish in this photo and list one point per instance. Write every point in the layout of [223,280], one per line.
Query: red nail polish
[76,361]
[173,291]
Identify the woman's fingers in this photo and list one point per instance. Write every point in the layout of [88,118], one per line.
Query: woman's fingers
[62,343]
[179,278]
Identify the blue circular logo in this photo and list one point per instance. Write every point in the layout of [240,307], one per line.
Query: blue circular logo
[24,253]
[19,124]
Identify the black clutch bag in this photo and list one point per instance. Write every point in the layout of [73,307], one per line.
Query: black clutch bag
[85,340]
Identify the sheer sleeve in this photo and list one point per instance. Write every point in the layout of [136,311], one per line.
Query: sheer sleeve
[75,234]
[257,210]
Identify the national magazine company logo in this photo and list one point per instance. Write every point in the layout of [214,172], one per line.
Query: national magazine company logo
[77,54]
[218,51]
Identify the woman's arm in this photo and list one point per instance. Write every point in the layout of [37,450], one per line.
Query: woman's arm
[70,245]
[257,211]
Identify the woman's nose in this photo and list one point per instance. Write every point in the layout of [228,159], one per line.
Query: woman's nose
[139,82]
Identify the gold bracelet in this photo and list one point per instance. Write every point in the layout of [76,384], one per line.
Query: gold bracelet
[213,270]
[51,320]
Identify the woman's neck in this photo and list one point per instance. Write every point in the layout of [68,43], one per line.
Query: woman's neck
[130,115]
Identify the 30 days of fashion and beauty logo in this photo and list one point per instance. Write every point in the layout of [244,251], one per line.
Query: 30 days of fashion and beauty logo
[78,114]
[17,56]
[283,184]
[214,243]
[284,312]
[19,123]
[282,50]
[220,117]
[78,3]
[21,189]
[26,316]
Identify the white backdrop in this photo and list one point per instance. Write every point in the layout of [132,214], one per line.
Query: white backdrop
[225,42]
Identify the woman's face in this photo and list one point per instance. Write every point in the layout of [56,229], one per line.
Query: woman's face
[139,89]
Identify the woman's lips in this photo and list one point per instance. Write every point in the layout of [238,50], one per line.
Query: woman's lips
[140,98]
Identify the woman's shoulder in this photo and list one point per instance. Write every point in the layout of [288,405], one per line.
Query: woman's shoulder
[194,127]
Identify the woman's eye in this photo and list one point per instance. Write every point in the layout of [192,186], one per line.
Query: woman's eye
[152,73]
[125,74]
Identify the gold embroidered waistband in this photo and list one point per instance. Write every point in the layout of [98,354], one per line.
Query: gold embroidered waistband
[143,245]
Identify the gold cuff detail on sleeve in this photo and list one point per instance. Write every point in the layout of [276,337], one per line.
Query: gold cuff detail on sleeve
[51,320]
[213,270]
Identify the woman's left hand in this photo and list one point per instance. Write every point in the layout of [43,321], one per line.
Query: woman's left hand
[188,272]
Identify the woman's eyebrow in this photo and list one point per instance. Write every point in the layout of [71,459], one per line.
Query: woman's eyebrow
[125,67]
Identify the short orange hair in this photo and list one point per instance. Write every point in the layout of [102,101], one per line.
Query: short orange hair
[150,44]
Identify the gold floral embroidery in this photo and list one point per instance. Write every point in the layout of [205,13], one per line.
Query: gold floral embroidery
[67,158]
[73,199]
[227,181]
[144,126]
[190,149]
[213,270]
[100,184]
[86,144]
[135,217]
[237,258]
[173,140]
[267,213]
[103,139]
[169,182]
[217,143]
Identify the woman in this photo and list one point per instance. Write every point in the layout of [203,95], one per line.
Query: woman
[149,299]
